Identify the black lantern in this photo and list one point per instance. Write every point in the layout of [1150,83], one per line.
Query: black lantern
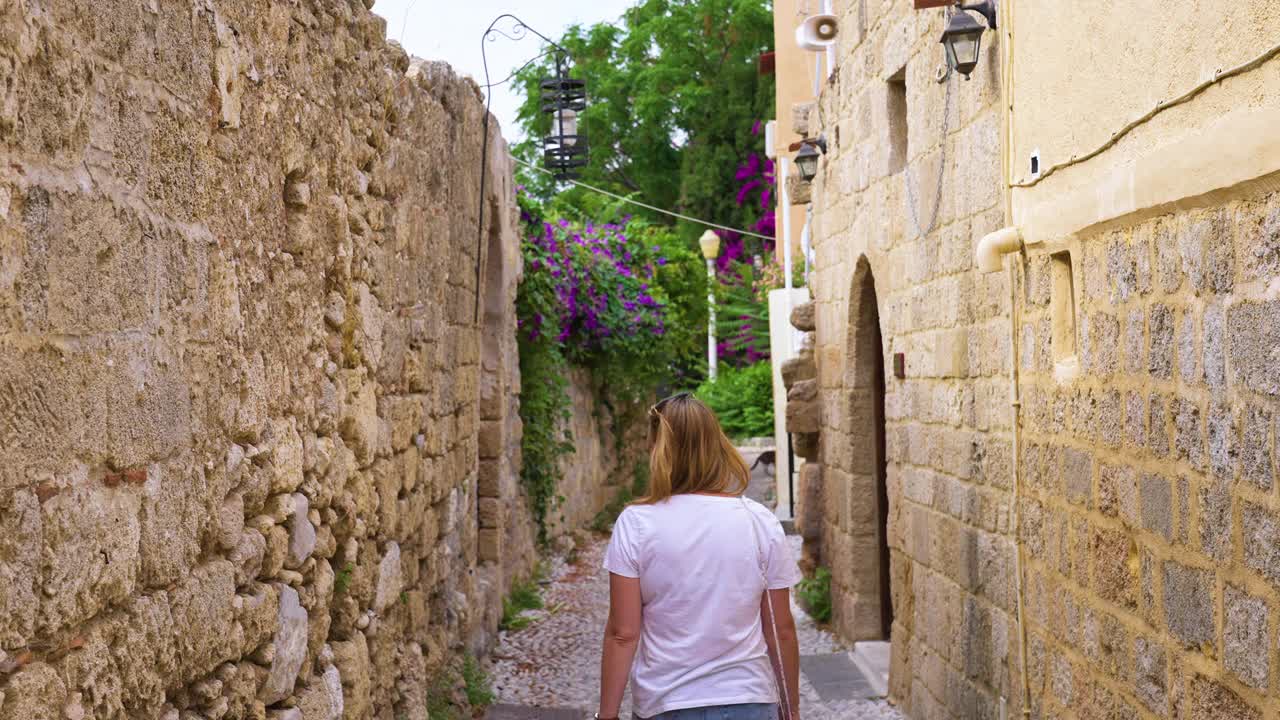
[963,36]
[563,98]
[807,157]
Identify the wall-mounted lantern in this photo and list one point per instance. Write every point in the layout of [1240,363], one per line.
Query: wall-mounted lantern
[563,98]
[807,157]
[963,36]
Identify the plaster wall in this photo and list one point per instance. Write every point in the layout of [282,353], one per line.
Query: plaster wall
[794,71]
[1081,72]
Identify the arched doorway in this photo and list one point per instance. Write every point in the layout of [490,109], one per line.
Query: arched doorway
[865,383]
[490,505]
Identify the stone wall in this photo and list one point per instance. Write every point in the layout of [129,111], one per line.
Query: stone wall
[882,287]
[1149,513]
[1147,375]
[601,464]
[241,389]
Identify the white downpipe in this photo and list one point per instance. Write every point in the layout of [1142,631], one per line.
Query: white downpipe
[785,203]
[993,247]
[1015,417]
[805,242]
[990,257]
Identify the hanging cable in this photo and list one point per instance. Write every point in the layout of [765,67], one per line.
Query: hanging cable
[647,206]
[1218,76]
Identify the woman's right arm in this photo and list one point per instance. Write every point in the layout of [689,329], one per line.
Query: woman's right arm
[784,647]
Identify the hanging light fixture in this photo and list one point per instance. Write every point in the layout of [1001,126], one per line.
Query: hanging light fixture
[807,157]
[563,97]
[963,36]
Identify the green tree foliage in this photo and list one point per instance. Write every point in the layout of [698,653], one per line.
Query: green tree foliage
[674,93]
[742,399]
[624,300]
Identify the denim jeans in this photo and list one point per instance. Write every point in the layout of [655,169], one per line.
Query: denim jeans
[748,711]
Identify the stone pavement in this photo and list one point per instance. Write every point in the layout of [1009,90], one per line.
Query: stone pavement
[551,669]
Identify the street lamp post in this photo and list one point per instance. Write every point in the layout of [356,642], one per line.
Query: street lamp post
[710,243]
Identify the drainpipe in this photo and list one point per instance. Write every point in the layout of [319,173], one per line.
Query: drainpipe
[1001,242]
[993,247]
[989,256]
[1015,417]
[784,202]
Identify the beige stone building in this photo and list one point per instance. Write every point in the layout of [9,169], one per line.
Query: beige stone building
[259,439]
[1045,332]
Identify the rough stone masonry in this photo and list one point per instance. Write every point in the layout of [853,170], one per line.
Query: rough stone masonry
[240,372]
[1140,485]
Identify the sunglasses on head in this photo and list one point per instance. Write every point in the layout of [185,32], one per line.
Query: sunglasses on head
[657,407]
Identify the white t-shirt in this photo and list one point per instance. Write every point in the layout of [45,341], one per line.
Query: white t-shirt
[699,564]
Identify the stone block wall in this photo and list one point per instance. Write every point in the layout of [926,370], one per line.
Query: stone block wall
[930,450]
[1149,512]
[242,403]
[603,461]
[1149,403]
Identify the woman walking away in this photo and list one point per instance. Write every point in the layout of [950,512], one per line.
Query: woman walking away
[699,586]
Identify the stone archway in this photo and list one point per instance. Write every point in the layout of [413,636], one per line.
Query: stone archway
[491,510]
[862,577]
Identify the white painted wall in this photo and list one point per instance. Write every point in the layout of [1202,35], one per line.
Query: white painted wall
[784,344]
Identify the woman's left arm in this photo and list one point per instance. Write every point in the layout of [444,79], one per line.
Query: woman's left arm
[621,637]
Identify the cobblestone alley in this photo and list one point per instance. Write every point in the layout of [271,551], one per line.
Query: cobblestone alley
[551,669]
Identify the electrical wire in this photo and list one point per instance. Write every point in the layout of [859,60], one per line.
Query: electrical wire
[647,206]
[517,71]
[1160,107]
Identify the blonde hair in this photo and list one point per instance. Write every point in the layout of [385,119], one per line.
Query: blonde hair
[689,453]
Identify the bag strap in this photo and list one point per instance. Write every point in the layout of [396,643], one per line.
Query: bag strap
[781,679]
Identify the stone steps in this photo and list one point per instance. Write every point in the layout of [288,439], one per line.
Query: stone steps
[872,660]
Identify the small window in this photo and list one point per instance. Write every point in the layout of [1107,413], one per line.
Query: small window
[897,107]
[1062,307]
